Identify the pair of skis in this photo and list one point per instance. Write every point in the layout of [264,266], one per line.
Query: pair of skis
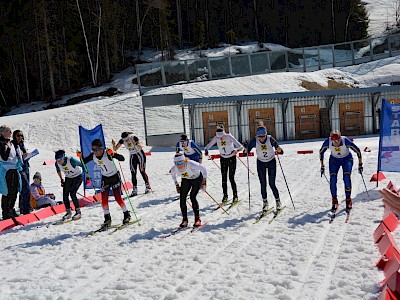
[267,212]
[335,213]
[231,205]
[62,222]
[181,229]
[114,227]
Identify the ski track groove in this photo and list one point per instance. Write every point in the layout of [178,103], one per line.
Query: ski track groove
[323,247]
[232,252]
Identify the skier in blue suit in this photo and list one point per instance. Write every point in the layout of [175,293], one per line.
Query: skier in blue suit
[189,148]
[340,157]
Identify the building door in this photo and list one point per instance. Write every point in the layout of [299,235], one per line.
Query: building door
[266,115]
[351,118]
[211,120]
[307,122]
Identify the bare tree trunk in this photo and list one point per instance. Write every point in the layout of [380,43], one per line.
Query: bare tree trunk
[106,59]
[179,20]
[66,61]
[49,58]
[333,22]
[347,22]
[94,69]
[255,19]
[39,57]
[26,71]
[139,25]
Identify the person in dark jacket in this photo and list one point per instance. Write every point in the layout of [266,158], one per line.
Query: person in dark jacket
[11,162]
[24,196]
[110,179]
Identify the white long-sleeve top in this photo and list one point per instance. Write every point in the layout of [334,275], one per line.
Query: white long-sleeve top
[191,171]
[226,144]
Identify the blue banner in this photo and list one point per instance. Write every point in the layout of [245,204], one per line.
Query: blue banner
[86,137]
[389,141]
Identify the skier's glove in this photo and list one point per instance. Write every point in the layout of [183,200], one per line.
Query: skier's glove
[204,184]
[322,170]
[110,152]
[178,188]
[78,153]
[205,152]
[360,168]
[62,182]
[234,152]
[279,151]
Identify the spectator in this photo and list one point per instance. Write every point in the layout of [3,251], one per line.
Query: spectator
[24,203]
[10,165]
[39,198]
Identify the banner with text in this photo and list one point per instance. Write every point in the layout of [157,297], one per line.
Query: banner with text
[86,137]
[389,141]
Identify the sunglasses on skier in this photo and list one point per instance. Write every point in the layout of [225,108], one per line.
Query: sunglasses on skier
[178,163]
[335,137]
[261,136]
[96,149]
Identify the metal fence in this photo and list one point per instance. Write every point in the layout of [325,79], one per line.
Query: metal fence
[159,74]
[291,116]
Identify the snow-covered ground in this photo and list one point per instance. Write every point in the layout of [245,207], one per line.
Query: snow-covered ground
[299,256]
[382,14]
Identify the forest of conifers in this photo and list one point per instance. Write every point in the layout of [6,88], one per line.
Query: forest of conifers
[50,48]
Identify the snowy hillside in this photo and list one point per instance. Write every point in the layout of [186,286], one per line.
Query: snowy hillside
[298,256]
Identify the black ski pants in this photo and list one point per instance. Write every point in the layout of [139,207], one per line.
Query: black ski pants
[8,201]
[228,165]
[192,185]
[136,160]
[71,187]
[262,168]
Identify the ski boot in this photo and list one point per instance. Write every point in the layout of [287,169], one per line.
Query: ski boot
[265,205]
[225,200]
[184,223]
[335,204]
[197,222]
[278,204]
[349,205]
[134,191]
[107,221]
[77,215]
[148,189]
[235,200]
[68,215]
[127,217]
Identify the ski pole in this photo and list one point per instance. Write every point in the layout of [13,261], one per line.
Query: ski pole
[126,193]
[84,196]
[212,181]
[123,175]
[284,177]
[216,164]
[246,166]
[87,172]
[248,177]
[364,184]
[216,202]
[327,179]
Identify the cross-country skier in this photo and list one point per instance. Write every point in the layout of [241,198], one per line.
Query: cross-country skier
[226,143]
[265,151]
[189,148]
[340,157]
[72,169]
[110,179]
[137,158]
[194,178]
